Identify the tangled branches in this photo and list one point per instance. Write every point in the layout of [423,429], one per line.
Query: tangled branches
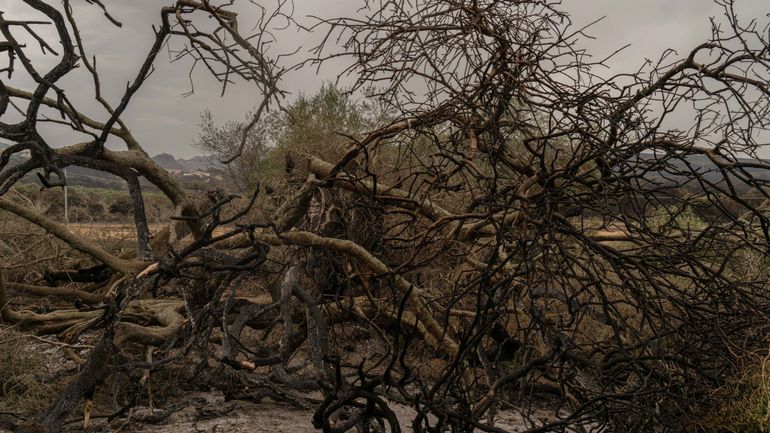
[521,234]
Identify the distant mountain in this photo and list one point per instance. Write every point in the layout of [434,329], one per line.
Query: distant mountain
[678,172]
[203,163]
[168,162]
[196,163]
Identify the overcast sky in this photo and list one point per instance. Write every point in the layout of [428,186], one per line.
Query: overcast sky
[165,121]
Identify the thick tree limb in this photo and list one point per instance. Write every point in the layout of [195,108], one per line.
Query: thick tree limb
[90,298]
[127,267]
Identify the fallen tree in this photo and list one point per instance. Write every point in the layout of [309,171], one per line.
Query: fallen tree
[527,220]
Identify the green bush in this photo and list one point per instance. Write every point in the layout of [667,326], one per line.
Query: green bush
[667,218]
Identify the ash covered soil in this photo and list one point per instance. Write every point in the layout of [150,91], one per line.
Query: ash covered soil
[209,412]
[29,363]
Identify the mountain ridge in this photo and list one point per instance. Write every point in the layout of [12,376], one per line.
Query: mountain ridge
[196,163]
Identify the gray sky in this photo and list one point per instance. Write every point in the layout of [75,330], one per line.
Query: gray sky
[165,121]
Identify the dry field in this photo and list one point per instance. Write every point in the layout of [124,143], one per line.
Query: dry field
[117,232]
[109,231]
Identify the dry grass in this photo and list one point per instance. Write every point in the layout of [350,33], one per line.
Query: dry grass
[22,367]
[745,404]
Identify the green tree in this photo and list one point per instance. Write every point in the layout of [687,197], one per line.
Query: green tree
[319,125]
[223,141]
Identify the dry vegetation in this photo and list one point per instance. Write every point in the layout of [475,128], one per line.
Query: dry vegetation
[490,228]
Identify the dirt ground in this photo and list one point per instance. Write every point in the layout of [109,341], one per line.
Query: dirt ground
[196,411]
[208,412]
